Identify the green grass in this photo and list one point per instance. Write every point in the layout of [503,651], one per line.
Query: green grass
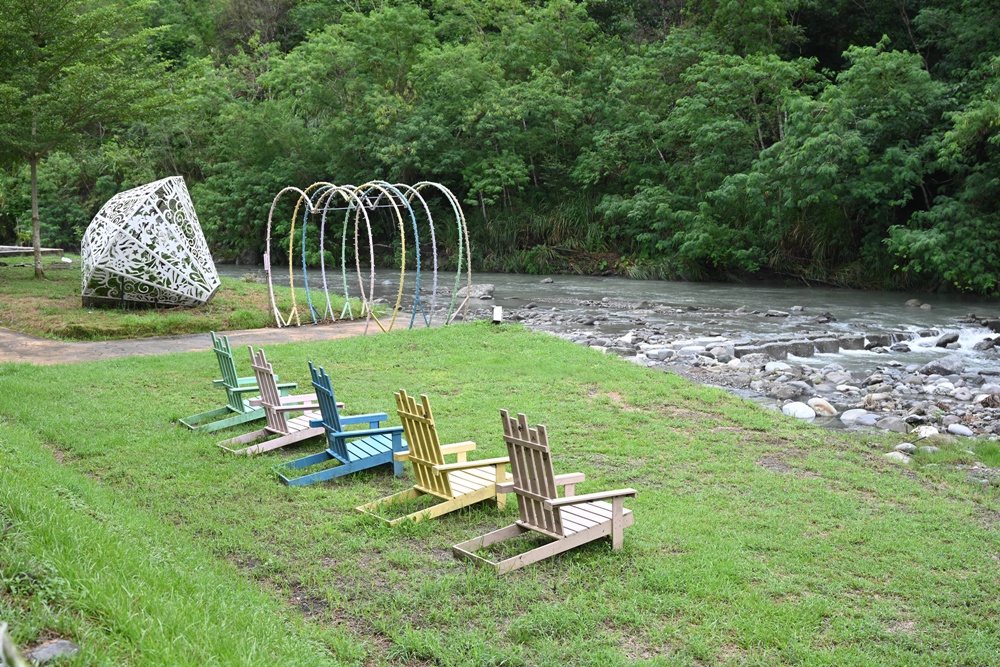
[52,308]
[758,540]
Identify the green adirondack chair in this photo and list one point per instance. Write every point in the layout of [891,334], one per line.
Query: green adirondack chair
[237,409]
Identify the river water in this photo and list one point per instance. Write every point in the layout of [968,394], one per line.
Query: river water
[696,310]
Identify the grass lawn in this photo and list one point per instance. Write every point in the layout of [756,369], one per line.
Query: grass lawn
[52,308]
[758,540]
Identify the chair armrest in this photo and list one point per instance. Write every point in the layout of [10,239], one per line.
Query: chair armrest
[457,447]
[590,497]
[361,419]
[366,432]
[300,407]
[569,478]
[287,385]
[252,389]
[505,487]
[298,399]
[247,380]
[472,464]
[401,456]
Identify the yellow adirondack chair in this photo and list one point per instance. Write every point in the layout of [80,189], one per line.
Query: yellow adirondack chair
[457,485]
[570,521]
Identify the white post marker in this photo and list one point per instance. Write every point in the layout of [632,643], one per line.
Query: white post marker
[497,314]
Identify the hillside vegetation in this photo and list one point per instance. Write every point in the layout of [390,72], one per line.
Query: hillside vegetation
[854,142]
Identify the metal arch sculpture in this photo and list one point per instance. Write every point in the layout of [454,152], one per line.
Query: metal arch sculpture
[321,198]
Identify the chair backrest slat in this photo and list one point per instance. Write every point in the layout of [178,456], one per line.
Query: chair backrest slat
[424,445]
[531,465]
[269,396]
[227,366]
[328,409]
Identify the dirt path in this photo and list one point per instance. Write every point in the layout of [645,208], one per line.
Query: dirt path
[19,347]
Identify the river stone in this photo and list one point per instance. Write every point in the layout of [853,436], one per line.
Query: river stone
[852,415]
[798,410]
[930,449]
[661,354]
[959,429]
[478,291]
[52,650]
[776,367]
[985,344]
[784,392]
[775,313]
[943,388]
[962,394]
[990,388]
[826,345]
[867,419]
[905,447]
[945,339]
[755,359]
[804,386]
[943,366]
[898,457]
[822,407]
[894,424]
[912,303]
[723,353]
[924,431]
[900,347]
[926,306]
[547,281]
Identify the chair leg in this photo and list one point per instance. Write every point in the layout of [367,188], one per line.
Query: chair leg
[203,419]
[617,522]
[500,477]
[397,446]
[373,507]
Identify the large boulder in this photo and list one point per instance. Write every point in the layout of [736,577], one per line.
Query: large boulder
[484,291]
[950,365]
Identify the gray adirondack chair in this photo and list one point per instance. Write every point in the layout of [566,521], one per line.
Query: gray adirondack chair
[237,409]
[570,521]
[280,430]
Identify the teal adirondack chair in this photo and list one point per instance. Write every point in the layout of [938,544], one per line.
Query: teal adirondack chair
[237,409]
[348,451]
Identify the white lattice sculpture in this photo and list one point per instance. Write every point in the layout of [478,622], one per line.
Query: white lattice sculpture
[145,247]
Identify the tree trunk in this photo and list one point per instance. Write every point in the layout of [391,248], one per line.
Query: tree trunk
[36,234]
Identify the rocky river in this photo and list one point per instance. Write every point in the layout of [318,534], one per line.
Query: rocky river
[916,364]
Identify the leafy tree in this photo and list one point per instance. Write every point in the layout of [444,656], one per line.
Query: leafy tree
[68,69]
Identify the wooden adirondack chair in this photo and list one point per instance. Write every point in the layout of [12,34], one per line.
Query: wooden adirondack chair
[456,484]
[353,450]
[280,430]
[570,521]
[237,409]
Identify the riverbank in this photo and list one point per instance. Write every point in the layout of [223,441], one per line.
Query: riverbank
[757,538]
[51,308]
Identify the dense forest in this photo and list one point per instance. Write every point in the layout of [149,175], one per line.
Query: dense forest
[846,142]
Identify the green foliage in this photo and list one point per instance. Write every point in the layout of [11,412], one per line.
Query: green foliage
[958,239]
[840,141]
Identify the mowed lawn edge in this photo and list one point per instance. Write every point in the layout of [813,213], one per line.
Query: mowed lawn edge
[758,540]
[51,308]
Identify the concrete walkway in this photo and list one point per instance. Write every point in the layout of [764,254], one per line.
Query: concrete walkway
[22,348]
